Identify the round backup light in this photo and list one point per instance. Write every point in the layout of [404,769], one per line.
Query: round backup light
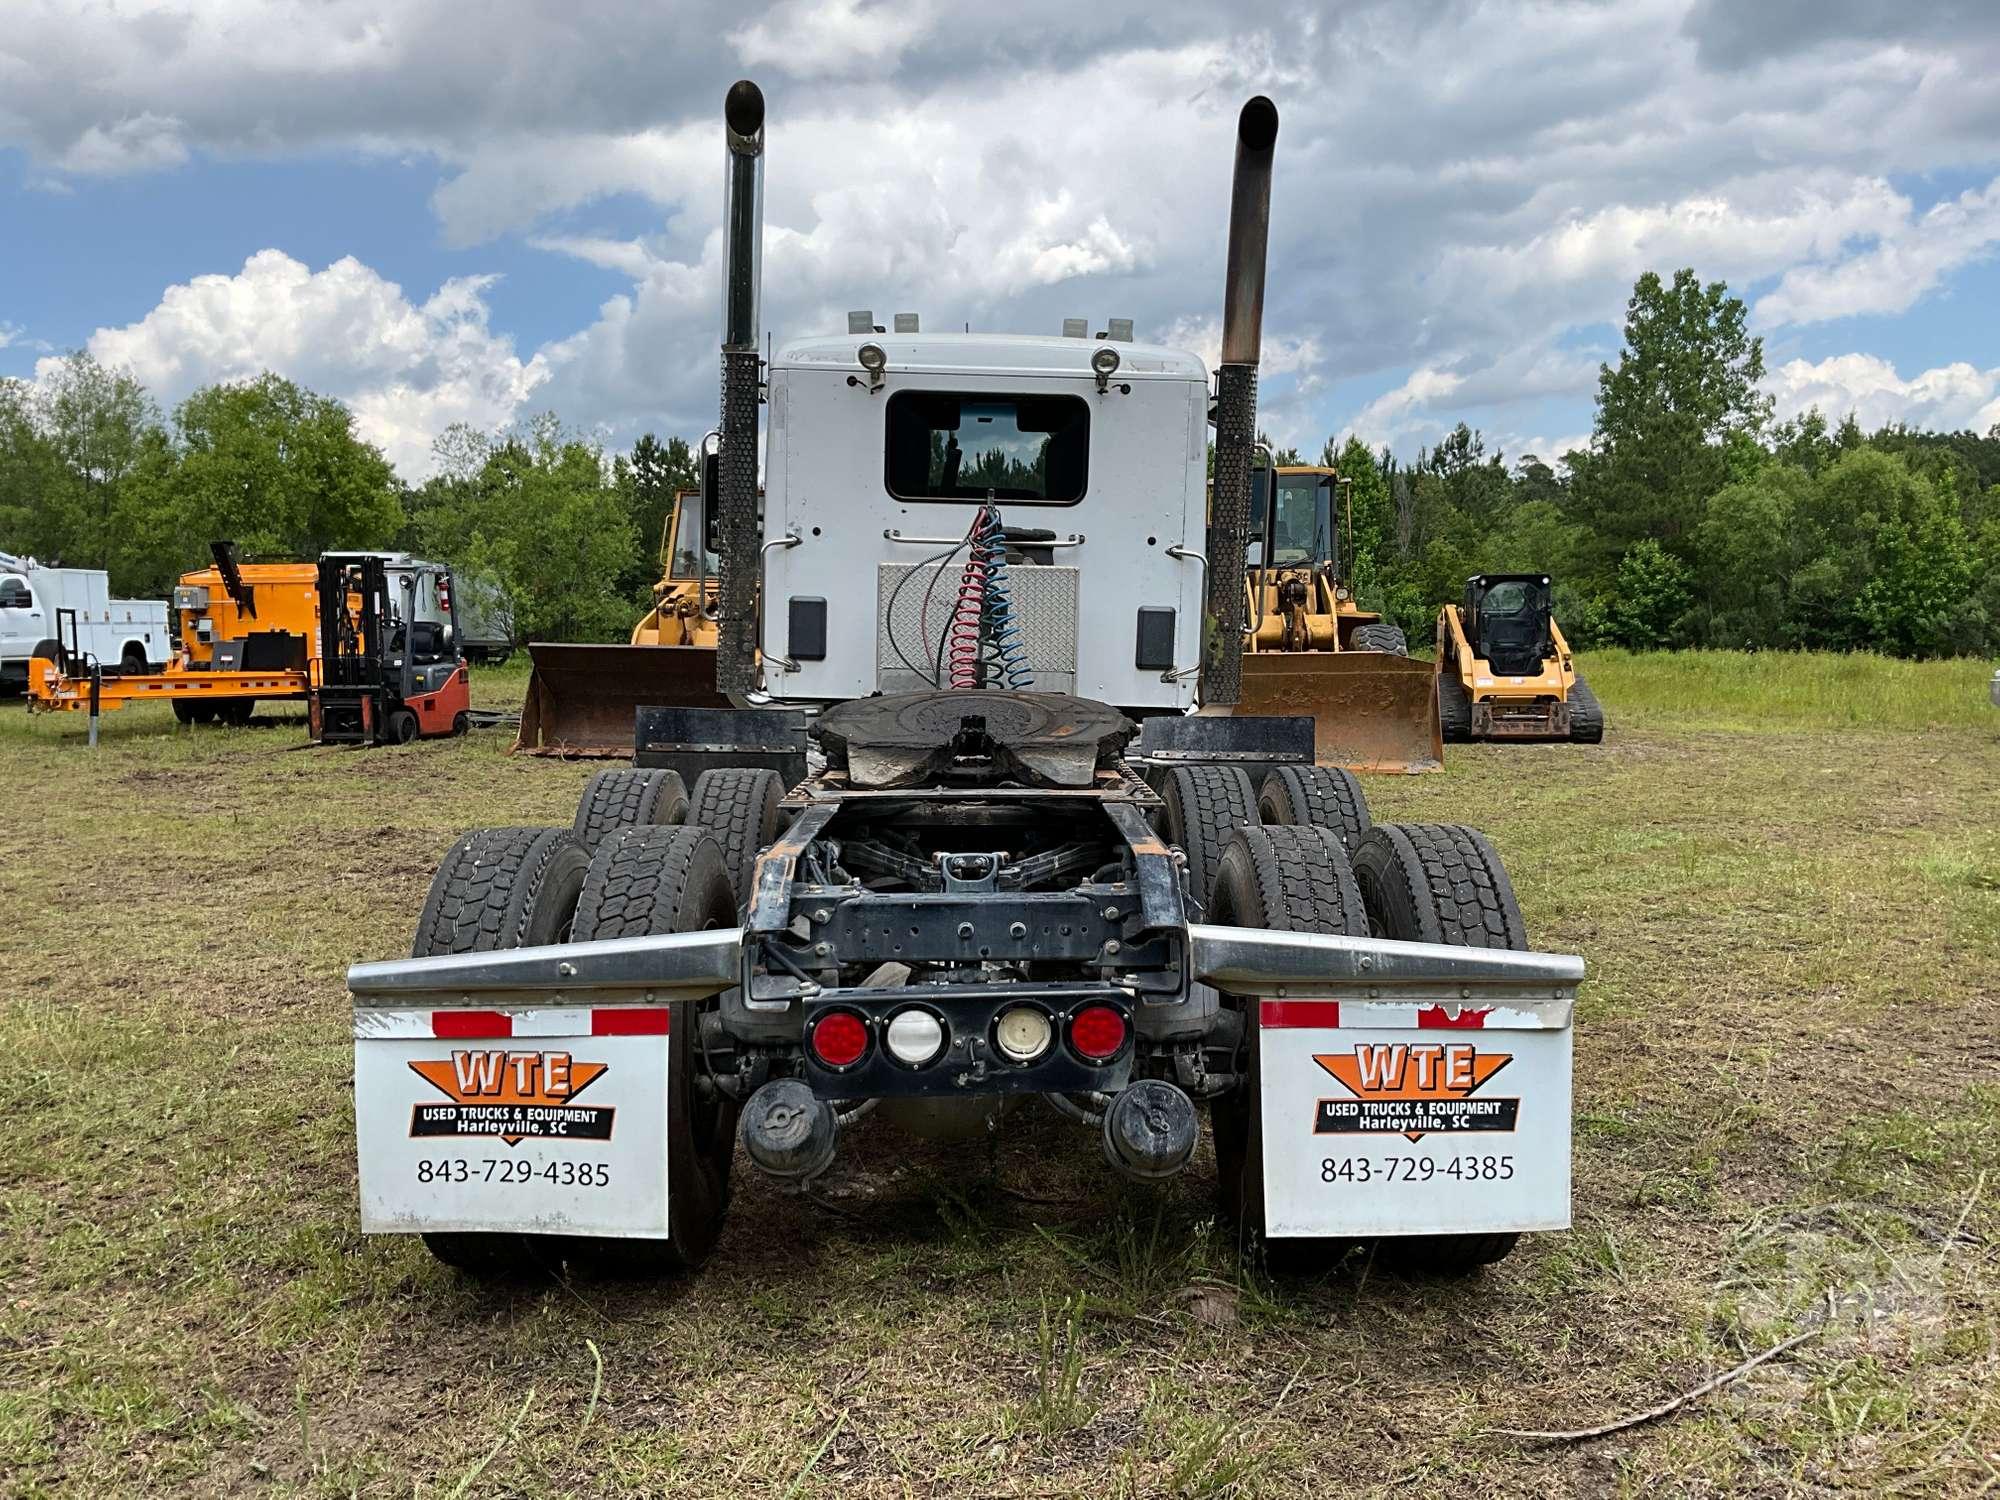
[1022,1034]
[873,358]
[1105,362]
[915,1037]
[1097,1032]
[839,1039]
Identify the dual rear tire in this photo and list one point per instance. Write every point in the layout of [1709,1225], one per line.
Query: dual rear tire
[523,887]
[739,808]
[1417,882]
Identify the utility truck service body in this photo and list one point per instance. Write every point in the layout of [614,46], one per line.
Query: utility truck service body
[39,603]
[959,847]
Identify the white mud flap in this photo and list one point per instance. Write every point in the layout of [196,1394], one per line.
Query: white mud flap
[550,1120]
[1386,1119]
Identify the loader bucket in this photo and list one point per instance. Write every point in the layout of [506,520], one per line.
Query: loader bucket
[1371,711]
[582,699]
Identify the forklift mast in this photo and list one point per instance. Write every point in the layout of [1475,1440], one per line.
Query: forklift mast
[386,673]
[353,621]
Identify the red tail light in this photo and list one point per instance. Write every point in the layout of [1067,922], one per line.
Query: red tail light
[839,1039]
[1097,1032]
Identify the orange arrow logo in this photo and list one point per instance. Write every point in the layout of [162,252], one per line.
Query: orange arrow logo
[525,1079]
[1383,1071]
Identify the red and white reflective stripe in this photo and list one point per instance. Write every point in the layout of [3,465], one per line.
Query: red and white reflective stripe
[1282,1015]
[486,1025]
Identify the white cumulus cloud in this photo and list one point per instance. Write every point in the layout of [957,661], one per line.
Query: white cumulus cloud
[1910,258]
[408,369]
[1948,398]
[1456,183]
[815,38]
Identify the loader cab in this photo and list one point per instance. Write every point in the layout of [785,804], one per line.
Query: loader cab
[1301,517]
[688,549]
[1507,620]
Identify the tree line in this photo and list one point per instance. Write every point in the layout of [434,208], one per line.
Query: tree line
[1691,519]
[92,475]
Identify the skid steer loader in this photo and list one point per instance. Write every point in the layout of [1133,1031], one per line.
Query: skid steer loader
[1311,649]
[1505,671]
[994,889]
[581,698]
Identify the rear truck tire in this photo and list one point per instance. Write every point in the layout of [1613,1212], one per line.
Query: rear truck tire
[1292,878]
[1586,714]
[1315,797]
[132,663]
[643,881]
[1380,635]
[1205,805]
[626,798]
[1454,707]
[1439,883]
[402,727]
[741,809]
[499,888]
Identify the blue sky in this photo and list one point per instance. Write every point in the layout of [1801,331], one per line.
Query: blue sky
[446,223]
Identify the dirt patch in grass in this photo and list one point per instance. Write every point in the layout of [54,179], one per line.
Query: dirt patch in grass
[1788,1110]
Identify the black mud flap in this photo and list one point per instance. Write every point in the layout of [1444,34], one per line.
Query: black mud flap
[1254,743]
[693,740]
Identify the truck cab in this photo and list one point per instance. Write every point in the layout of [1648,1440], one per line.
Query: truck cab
[882,450]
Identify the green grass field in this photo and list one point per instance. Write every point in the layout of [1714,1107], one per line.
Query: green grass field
[1783,871]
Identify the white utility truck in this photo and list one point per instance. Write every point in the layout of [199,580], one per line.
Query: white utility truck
[1016,866]
[74,606]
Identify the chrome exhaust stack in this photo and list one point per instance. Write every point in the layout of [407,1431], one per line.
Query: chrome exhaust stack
[737,530]
[1236,401]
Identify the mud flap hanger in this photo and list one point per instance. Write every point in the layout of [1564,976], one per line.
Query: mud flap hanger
[1317,966]
[1239,960]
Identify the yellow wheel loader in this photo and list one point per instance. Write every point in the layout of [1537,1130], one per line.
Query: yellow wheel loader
[581,698]
[1311,649]
[1505,671]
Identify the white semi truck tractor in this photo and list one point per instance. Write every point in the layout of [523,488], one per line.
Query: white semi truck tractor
[964,844]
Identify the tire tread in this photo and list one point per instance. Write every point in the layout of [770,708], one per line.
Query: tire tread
[1205,804]
[1318,797]
[483,895]
[625,797]
[740,807]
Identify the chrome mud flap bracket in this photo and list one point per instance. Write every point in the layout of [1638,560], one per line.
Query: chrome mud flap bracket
[1405,1088]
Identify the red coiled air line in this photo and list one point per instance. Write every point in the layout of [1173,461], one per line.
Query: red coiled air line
[963,641]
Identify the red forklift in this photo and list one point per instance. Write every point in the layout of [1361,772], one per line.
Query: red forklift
[391,667]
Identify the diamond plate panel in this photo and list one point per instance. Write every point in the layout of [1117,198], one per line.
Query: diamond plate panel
[1044,603]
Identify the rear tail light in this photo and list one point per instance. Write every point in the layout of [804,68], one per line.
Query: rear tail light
[1097,1032]
[914,1037]
[839,1039]
[1022,1033]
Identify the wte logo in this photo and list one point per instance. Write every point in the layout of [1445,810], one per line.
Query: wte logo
[512,1095]
[1413,1089]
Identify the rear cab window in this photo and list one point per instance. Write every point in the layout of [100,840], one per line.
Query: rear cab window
[974,446]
